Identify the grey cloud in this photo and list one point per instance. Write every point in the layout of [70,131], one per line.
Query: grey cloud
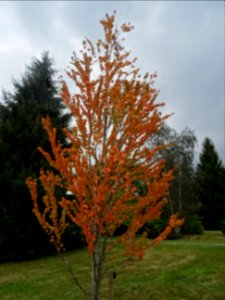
[182,40]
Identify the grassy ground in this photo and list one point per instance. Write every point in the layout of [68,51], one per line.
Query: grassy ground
[191,268]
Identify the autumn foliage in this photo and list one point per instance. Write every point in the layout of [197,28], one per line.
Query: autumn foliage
[115,113]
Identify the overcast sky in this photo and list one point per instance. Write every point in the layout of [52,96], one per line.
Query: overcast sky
[182,40]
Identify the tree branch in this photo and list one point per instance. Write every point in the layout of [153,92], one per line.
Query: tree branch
[70,270]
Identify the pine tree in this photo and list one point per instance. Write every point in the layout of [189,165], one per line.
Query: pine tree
[34,96]
[210,187]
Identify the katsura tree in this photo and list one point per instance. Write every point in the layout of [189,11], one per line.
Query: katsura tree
[115,112]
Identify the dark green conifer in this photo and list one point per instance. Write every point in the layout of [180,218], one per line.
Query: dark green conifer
[34,96]
[210,187]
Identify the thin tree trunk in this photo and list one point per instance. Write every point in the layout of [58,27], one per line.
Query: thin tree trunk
[98,259]
[171,205]
[180,205]
[95,281]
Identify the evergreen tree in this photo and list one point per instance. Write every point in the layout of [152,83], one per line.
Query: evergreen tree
[21,132]
[210,187]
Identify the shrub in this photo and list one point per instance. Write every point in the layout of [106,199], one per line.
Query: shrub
[154,228]
[174,235]
[73,238]
[192,225]
[223,226]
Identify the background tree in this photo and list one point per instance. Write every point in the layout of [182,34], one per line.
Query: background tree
[34,96]
[114,113]
[210,187]
[180,156]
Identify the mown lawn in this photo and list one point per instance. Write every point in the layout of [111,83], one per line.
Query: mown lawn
[191,268]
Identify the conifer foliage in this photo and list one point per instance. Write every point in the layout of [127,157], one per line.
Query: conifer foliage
[210,187]
[33,97]
[114,113]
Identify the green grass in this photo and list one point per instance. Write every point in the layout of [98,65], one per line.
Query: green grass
[191,268]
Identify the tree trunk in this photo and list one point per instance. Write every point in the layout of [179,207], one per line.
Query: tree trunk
[171,205]
[98,258]
[180,204]
[95,281]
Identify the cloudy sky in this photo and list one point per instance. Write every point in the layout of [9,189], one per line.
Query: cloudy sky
[182,40]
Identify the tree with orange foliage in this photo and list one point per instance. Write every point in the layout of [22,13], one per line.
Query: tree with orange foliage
[115,113]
